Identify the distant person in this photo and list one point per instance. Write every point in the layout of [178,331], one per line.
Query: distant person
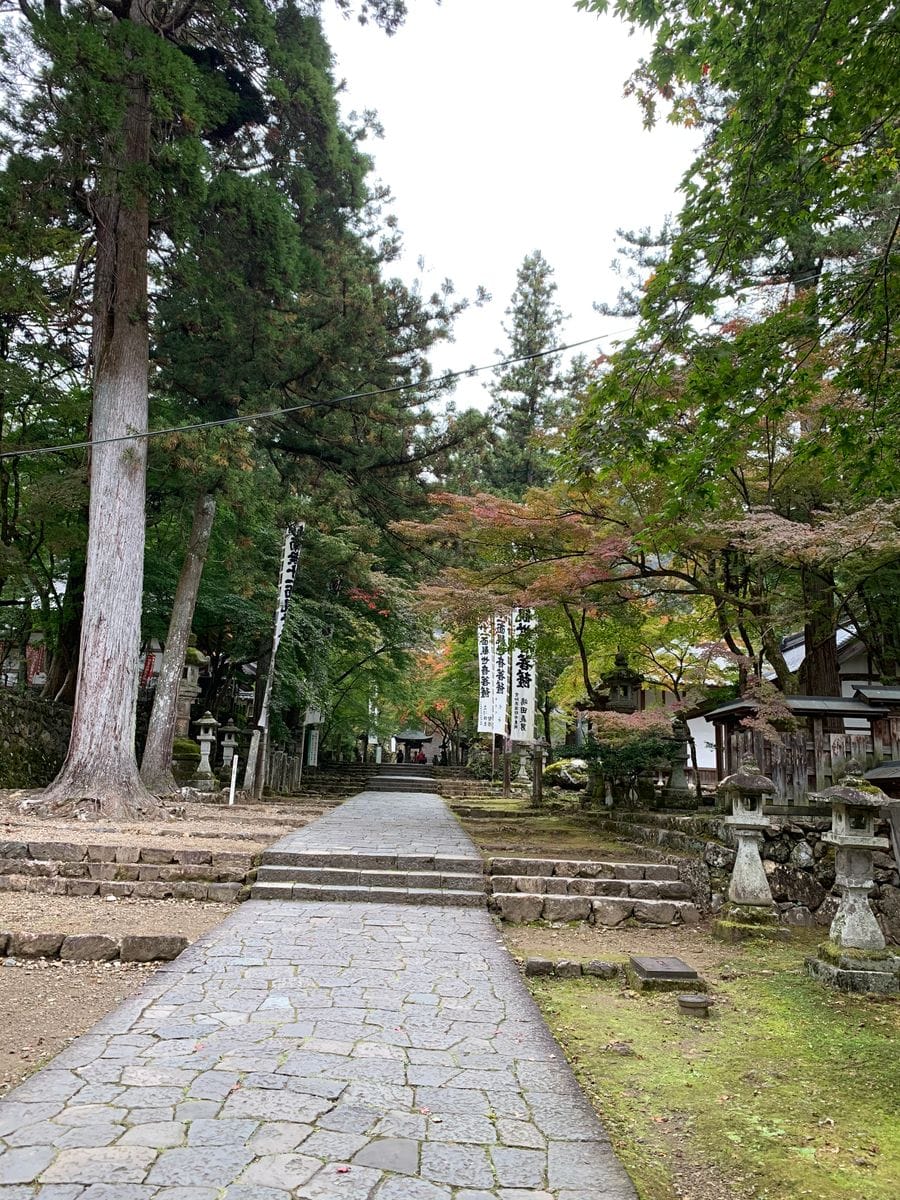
[399,756]
[420,757]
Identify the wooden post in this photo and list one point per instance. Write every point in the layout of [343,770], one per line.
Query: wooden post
[819,751]
[537,771]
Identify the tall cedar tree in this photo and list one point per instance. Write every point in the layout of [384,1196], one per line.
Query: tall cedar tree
[129,97]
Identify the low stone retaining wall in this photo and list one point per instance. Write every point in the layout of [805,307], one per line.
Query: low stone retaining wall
[147,872]
[92,947]
[602,893]
[798,863]
[34,735]
[569,969]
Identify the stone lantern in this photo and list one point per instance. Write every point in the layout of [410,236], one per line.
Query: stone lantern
[677,790]
[229,742]
[855,958]
[205,780]
[189,687]
[624,687]
[751,911]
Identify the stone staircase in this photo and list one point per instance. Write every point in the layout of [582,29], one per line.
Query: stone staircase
[603,893]
[378,878]
[401,777]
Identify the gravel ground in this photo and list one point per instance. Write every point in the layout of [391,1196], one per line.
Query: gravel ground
[209,827]
[28,913]
[44,1005]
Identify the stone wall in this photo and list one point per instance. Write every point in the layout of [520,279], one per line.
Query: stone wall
[34,736]
[148,872]
[799,865]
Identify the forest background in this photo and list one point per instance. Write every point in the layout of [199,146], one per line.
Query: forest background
[188,221]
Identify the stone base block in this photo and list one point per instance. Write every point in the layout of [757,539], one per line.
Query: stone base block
[877,976]
[740,923]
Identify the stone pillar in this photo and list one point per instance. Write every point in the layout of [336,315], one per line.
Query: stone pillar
[537,772]
[855,958]
[677,790]
[751,911]
[188,690]
[312,746]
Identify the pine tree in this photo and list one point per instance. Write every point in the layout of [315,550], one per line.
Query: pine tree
[532,398]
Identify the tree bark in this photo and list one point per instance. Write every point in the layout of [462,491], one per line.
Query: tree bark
[819,674]
[156,765]
[100,773]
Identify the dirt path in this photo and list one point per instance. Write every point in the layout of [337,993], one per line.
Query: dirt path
[44,1005]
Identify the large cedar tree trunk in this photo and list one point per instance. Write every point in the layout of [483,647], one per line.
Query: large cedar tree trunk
[819,674]
[100,773]
[156,765]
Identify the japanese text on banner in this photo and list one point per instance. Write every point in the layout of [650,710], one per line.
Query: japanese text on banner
[501,674]
[524,673]
[486,677]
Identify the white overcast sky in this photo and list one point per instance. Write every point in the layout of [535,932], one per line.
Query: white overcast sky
[506,131]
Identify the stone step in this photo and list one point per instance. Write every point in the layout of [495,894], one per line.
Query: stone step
[382,784]
[445,864]
[448,897]
[556,885]
[520,907]
[353,877]
[582,868]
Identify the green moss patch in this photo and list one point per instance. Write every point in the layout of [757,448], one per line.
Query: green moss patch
[553,836]
[788,1091]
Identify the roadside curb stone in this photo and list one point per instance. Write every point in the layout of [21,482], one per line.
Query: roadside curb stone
[151,947]
[95,946]
[34,945]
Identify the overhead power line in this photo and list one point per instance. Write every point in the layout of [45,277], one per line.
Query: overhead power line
[333,402]
[272,413]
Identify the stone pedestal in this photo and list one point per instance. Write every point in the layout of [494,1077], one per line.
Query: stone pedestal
[864,971]
[855,957]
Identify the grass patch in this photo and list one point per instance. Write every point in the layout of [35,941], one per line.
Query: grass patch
[789,1091]
[555,836]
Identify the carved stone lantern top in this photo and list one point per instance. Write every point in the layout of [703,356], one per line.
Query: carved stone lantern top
[624,686]
[855,806]
[746,789]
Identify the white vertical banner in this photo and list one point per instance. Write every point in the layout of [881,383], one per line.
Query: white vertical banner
[254,772]
[486,677]
[502,637]
[524,675]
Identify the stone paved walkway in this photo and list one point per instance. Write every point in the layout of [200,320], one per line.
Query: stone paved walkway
[389,823]
[316,1051]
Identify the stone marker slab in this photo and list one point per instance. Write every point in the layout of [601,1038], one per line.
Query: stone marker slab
[662,973]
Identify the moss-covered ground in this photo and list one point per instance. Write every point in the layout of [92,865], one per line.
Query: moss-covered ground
[788,1091]
[560,835]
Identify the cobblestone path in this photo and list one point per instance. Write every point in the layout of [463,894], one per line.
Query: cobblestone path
[316,1051]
